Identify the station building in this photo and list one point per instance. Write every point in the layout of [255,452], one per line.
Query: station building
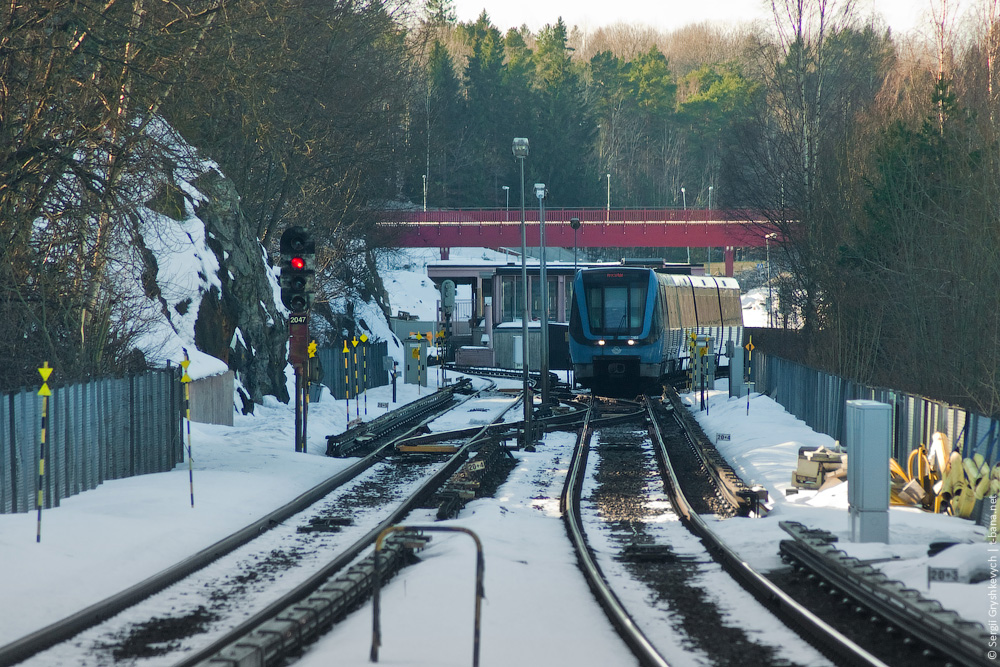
[486,329]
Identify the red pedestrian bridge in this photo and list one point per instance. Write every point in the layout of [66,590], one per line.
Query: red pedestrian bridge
[599,228]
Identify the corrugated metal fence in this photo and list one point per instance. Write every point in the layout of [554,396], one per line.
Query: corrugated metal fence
[212,399]
[819,399]
[99,430]
[367,366]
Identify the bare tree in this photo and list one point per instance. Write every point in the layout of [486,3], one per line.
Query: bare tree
[81,80]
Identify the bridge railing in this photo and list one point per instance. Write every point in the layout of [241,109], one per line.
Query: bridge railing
[503,215]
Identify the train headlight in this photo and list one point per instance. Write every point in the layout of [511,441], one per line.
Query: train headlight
[631,341]
[601,342]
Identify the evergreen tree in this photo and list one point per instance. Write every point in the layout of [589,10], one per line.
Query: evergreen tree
[562,154]
[441,131]
[653,161]
[923,262]
[634,102]
[440,12]
[486,113]
[718,98]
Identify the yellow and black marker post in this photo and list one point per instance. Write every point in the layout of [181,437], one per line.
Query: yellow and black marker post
[442,346]
[364,369]
[311,350]
[749,347]
[186,380]
[691,360]
[347,383]
[357,404]
[45,371]
[430,342]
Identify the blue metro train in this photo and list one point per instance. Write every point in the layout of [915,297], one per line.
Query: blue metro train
[629,326]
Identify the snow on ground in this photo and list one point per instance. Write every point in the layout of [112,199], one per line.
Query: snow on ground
[763,449]
[754,307]
[105,540]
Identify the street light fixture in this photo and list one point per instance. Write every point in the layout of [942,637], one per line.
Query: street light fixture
[520,149]
[506,190]
[540,192]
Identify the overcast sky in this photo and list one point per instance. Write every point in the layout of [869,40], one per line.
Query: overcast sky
[902,15]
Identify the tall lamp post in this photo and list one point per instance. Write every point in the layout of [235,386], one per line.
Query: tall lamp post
[506,190]
[710,247]
[575,224]
[425,193]
[609,197]
[540,192]
[520,149]
[767,258]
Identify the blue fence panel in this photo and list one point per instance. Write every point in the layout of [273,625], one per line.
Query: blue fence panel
[98,430]
[820,400]
[365,367]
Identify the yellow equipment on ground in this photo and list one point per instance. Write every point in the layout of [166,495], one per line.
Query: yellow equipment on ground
[940,480]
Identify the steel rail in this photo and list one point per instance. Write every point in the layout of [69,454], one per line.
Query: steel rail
[343,444]
[732,488]
[905,608]
[298,597]
[574,416]
[812,628]
[534,377]
[64,629]
[569,502]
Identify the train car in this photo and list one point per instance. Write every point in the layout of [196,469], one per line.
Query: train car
[629,326]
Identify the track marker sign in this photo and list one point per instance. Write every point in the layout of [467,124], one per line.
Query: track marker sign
[947,574]
[45,371]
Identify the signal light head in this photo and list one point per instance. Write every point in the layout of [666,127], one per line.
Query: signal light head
[297,277]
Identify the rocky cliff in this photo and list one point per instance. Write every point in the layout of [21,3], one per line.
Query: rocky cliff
[240,324]
[217,293]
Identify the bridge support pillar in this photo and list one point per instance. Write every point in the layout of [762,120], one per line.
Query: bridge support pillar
[445,253]
[729,261]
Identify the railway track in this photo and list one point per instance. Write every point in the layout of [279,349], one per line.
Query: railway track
[891,622]
[900,626]
[649,548]
[237,583]
[928,632]
[636,465]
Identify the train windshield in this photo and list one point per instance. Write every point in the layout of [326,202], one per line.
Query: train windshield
[616,309]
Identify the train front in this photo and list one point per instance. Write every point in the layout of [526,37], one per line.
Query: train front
[614,339]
